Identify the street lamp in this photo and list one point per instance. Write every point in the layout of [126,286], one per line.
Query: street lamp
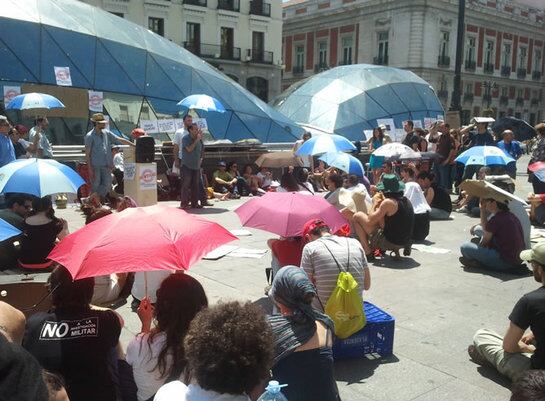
[488,87]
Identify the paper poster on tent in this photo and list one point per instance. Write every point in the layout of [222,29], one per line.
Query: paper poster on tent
[368,133]
[428,122]
[10,92]
[62,76]
[168,125]
[96,101]
[388,122]
[440,117]
[417,124]
[201,123]
[398,135]
[148,177]
[107,119]
[150,126]
[179,123]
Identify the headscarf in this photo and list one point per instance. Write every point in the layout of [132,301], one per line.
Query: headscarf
[291,287]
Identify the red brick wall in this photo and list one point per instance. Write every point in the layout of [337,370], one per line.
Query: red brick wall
[322,33]
[347,29]
[333,44]
[310,50]
[480,47]
[289,52]
[301,10]
[478,88]
[298,37]
[527,93]
[472,28]
[498,49]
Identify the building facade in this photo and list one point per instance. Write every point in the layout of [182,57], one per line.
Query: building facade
[241,38]
[503,55]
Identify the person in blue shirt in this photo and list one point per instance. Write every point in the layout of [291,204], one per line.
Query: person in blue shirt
[511,148]
[7,152]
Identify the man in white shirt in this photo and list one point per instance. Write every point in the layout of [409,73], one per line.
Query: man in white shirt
[177,141]
[44,150]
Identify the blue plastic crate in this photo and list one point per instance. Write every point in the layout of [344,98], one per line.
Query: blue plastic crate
[376,338]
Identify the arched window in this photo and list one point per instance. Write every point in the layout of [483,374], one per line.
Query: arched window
[259,87]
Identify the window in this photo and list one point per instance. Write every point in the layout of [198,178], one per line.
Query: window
[144,113]
[444,44]
[506,55]
[346,44]
[193,37]
[227,42]
[504,91]
[383,47]
[258,44]
[469,88]
[124,112]
[156,25]
[523,54]
[299,56]
[322,53]
[121,15]
[520,94]
[537,60]
[470,51]
[489,52]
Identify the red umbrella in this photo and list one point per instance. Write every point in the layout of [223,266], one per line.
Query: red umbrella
[285,213]
[139,239]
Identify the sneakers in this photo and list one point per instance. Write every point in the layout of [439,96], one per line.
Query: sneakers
[476,356]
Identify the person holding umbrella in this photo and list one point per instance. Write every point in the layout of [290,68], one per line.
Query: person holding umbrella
[7,152]
[479,135]
[511,148]
[98,154]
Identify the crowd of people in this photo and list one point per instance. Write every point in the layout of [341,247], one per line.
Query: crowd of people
[188,350]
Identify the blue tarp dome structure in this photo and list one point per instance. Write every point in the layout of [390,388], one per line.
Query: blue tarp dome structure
[349,99]
[142,74]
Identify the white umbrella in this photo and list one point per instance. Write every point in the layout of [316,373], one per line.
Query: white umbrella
[396,150]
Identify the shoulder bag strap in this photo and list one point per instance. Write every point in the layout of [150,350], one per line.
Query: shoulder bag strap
[333,256]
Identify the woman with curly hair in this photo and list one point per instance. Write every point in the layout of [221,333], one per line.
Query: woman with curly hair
[229,353]
[157,355]
[303,339]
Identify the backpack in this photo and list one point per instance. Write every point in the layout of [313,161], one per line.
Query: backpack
[345,305]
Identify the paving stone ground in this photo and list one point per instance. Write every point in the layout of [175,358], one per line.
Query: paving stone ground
[436,303]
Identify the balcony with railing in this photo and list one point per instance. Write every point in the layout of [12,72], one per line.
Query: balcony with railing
[504,100]
[258,7]
[321,67]
[443,61]
[229,5]
[519,102]
[468,98]
[200,3]
[505,71]
[536,75]
[206,50]
[470,65]
[261,57]
[488,68]
[381,60]
[298,70]
[521,73]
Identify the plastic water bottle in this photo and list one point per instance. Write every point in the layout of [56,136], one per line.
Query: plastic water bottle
[273,393]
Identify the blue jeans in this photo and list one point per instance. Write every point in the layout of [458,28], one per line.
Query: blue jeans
[487,257]
[102,180]
[443,173]
[470,171]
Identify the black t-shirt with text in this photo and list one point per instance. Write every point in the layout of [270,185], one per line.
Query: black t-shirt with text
[80,346]
[529,311]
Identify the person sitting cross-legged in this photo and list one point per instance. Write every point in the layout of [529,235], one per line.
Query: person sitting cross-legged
[389,226]
[224,182]
[520,349]
[437,197]
[501,242]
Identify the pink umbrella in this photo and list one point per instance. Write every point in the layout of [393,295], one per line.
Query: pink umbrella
[285,213]
[139,239]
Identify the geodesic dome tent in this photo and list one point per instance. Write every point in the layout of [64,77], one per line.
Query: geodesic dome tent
[349,99]
[142,75]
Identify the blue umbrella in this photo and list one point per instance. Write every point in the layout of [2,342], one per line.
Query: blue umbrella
[39,177]
[345,162]
[484,156]
[324,144]
[202,102]
[7,230]
[34,101]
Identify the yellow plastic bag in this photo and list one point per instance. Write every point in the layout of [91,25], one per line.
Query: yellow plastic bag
[345,306]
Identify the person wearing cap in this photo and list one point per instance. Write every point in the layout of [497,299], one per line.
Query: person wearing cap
[322,253]
[37,135]
[501,242]
[225,182]
[512,149]
[7,151]
[520,349]
[478,135]
[389,225]
[98,154]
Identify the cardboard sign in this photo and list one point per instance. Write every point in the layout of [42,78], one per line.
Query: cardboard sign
[62,76]
[179,123]
[10,92]
[150,126]
[96,101]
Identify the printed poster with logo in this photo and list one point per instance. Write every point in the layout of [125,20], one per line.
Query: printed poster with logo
[10,92]
[148,178]
[129,171]
[62,76]
[96,101]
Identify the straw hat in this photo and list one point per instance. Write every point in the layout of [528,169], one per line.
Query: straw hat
[98,118]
